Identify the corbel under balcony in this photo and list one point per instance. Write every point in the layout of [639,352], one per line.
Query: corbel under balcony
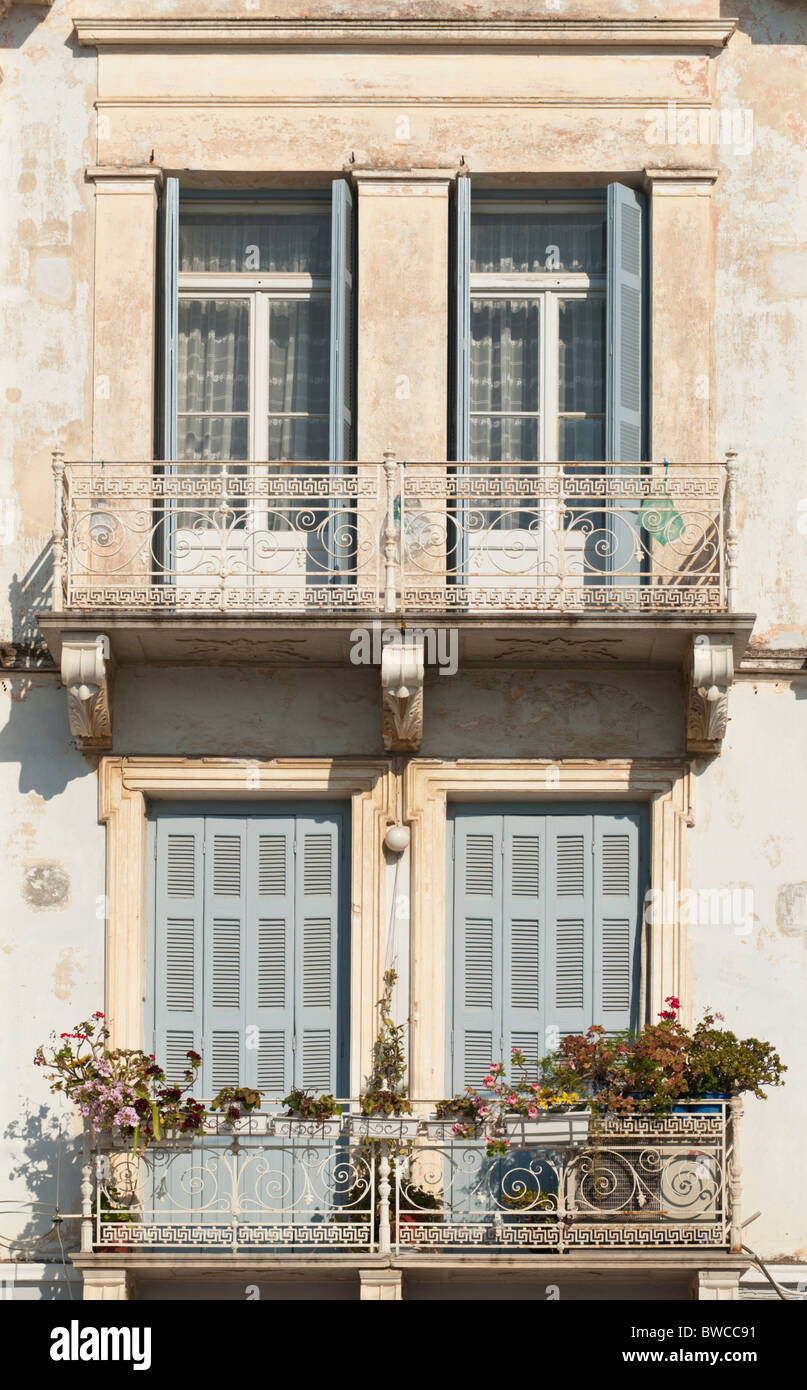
[87,677]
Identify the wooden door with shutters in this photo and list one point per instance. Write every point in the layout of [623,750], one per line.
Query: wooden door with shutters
[250,961]
[543,940]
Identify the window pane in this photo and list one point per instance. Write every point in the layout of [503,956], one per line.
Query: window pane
[209,438]
[505,354]
[213,371]
[581,439]
[581,356]
[298,439]
[261,240]
[507,242]
[503,439]
[299,355]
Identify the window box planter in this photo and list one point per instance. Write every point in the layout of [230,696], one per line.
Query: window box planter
[383,1126]
[295,1127]
[550,1127]
[702,1105]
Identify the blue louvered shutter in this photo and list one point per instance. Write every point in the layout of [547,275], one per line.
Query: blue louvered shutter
[625,426]
[170,315]
[477,949]
[269,1016]
[320,1058]
[224,953]
[569,907]
[617,917]
[523,936]
[178,942]
[342,311]
[461,243]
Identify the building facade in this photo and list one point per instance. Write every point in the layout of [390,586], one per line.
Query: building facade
[405,546]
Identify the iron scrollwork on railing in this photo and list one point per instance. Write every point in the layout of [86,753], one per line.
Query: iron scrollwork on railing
[392,537]
[265,1183]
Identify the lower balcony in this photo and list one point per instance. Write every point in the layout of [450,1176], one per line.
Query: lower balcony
[570,1184]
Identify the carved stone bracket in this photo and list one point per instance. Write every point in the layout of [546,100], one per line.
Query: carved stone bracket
[87,677]
[711,677]
[402,668]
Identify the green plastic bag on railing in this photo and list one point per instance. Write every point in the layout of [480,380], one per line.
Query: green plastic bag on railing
[660,517]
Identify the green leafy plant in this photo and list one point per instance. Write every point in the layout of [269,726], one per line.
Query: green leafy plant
[235,1100]
[310,1107]
[719,1061]
[648,1071]
[385,1092]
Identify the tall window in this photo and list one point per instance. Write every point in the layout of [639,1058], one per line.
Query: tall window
[254,332]
[537,331]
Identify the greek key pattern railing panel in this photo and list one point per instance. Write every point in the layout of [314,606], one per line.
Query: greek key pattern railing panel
[266,1183]
[394,538]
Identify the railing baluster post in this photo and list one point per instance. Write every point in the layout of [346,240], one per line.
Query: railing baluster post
[58,531]
[86,1194]
[384,1189]
[390,531]
[735,1175]
[731,530]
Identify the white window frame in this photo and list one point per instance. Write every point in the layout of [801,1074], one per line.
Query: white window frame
[548,288]
[258,289]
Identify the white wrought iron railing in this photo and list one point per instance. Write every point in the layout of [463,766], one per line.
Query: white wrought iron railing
[394,538]
[567,1182]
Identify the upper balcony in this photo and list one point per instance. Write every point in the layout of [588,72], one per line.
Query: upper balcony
[629,562]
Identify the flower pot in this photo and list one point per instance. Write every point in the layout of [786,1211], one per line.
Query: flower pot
[295,1127]
[549,1127]
[383,1126]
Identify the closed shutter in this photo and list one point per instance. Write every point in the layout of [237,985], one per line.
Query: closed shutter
[523,936]
[544,932]
[625,427]
[462,335]
[477,971]
[617,914]
[270,954]
[251,950]
[569,911]
[319,1057]
[178,951]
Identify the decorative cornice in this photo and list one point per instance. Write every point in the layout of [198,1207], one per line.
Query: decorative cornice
[702,35]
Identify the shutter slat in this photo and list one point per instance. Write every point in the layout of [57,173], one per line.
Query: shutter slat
[525,974]
[618,861]
[479,860]
[176,993]
[271,964]
[625,375]
[478,964]
[320,955]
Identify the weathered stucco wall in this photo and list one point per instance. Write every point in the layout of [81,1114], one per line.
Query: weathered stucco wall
[749,816]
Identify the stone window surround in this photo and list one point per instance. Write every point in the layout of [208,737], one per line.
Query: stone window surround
[379,797]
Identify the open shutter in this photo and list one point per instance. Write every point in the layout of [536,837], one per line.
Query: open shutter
[342,279]
[178,952]
[569,915]
[270,955]
[477,949]
[462,296]
[458,556]
[318,1065]
[625,368]
[225,953]
[170,304]
[617,914]
[523,937]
